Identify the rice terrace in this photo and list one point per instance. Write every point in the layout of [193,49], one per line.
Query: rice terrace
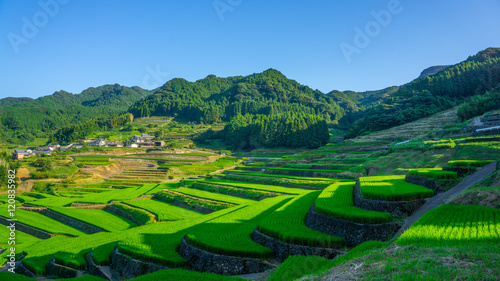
[256,176]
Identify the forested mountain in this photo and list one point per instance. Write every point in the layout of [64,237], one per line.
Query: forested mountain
[422,97]
[247,99]
[11,101]
[212,99]
[23,120]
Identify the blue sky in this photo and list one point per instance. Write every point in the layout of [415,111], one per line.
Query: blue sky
[52,45]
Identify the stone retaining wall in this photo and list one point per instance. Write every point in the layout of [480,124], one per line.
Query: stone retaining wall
[201,260]
[396,208]
[423,181]
[283,250]
[21,269]
[249,169]
[460,170]
[92,267]
[353,233]
[284,184]
[129,267]
[303,173]
[121,213]
[85,227]
[181,204]
[28,229]
[87,206]
[60,270]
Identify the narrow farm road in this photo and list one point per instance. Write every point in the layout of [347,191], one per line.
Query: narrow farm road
[439,199]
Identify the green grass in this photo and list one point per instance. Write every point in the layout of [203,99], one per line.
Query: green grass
[304,170]
[392,188]
[469,163]
[42,222]
[117,194]
[246,193]
[277,181]
[295,267]
[287,224]
[250,173]
[99,218]
[433,173]
[264,187]
[170,196]
[164,211]
[200,169]
[215,196]
[454,225]
[336,201]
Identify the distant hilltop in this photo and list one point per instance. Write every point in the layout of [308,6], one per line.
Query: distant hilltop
[432,70]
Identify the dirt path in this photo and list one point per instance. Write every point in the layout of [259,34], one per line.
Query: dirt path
[445,197]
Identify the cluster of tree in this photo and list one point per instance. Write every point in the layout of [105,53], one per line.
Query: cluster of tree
[215,99]
[288,129]
[6,164]
[479,104]
[429,95]
[22,119]
[80,130]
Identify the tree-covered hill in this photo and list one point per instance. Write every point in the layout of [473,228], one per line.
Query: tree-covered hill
[23,119]
[422,97]
[213,98]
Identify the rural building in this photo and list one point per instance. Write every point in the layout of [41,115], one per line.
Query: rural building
[98,142]
[21,153]
[43,150]
[132,145]
[114,144]
[146,144]
[159,143]
[53,146]
[142,138]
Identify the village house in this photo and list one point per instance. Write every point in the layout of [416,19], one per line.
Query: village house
[146,144]
[114,144]
[98,142]
[142,138]
[43,150]
[21,153]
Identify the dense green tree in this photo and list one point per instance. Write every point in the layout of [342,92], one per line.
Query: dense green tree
[286,129]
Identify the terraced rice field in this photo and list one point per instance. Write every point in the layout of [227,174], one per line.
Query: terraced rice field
[42,222]
[164,211]
[392,188]
[287,224]
[336,201]
[99,218]
[239,203]
[454,225]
